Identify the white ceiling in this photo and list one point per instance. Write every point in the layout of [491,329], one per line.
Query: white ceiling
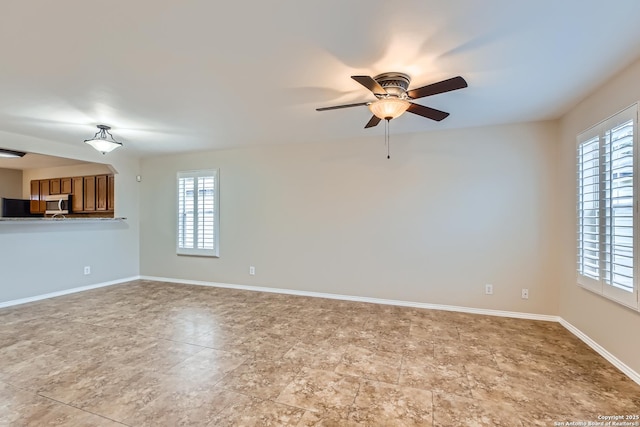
[193,75]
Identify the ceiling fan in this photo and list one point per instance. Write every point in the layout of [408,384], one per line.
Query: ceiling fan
[394,98]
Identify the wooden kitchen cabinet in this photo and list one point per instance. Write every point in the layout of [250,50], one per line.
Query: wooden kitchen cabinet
[89,193]
[101,193]
[65,186]
[111,191]
[44,192]
[34,204]
[39,190]
[77,198]
[54,186]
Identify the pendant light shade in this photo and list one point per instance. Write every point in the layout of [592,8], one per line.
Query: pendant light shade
[103,140]
[389,108]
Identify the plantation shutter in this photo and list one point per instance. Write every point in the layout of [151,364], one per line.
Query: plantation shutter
[198,213]
[588,209]
[618,196]
[607,208]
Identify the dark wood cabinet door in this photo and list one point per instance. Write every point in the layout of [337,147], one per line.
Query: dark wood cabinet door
[111,193]
[101,193]
[77,198]
[54,186]
[34,204]
[44,192]
[65,185]
[89,193]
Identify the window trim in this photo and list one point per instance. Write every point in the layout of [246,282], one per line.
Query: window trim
[600,287]
[215,252]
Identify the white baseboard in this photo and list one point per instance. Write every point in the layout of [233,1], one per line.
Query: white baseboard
[65,292]
[635,376]
[401,303]
[531,316]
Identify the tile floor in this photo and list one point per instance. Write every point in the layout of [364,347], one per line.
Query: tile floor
[157,354]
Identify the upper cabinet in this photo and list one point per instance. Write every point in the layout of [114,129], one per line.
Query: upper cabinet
[65,186]
[60,186]
[54,186]
[91,195]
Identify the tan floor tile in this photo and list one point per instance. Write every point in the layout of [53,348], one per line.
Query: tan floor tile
[181,403]
[32,373]
[322,355]
[20,351]
[86,379]
[22,408]
[434,330]
[158,356]
[264,345]
[207,366]
[454,410]
[58,414]
[123,400]
[150,353]
[374,365]
[516,388]
[260,378]
[256,412]
[452,353]
[418,348]
[317,390]
[386,404]
[329,418]
[427,374]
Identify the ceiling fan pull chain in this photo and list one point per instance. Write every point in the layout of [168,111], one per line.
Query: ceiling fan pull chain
[387,141]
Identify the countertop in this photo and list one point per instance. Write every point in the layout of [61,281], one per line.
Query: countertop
[56,220]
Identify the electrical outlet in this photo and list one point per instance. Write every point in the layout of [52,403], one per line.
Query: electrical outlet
[525,293]
[488,289]
[252,270]
[87,270]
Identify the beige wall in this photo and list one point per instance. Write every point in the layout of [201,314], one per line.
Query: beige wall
[11,183]
[610,324]
[36,259]
[448,213]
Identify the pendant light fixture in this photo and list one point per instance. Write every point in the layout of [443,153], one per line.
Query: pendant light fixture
[103,140]
[11,154]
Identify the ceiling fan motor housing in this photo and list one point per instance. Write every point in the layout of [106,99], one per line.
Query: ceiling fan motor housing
[395,84]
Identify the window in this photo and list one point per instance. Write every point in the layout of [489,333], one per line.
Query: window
[198,213]
[607,208]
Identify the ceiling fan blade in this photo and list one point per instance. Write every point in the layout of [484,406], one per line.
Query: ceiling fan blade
[373,122]
[448,85]
[342,106]
[370,84]
[429,113]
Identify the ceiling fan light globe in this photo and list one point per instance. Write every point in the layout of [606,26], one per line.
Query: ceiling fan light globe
[389,108]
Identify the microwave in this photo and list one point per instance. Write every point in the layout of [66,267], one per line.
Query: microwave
[58,204]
